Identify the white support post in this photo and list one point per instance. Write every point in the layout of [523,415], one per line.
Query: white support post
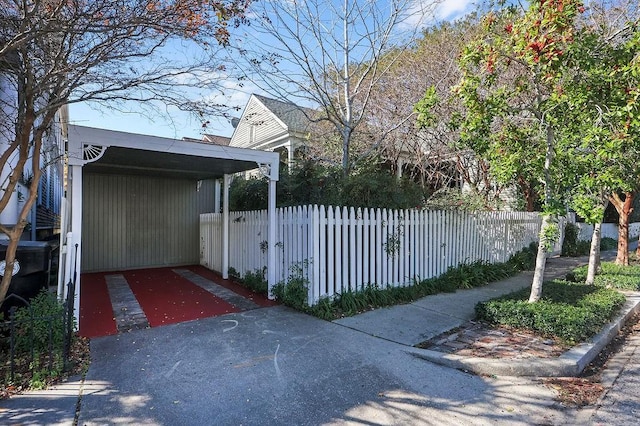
[76,228]
[216,197]
[271,171]
[225,227]
[271,231]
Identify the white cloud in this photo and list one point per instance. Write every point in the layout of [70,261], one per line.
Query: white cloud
[427,12]
[233,93]
[453,9]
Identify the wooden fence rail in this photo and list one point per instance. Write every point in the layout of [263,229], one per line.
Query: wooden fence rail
[340,249]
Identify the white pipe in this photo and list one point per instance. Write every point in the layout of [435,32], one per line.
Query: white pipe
[62,262]
[216,199]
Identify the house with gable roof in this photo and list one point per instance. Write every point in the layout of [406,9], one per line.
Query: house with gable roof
[272,125]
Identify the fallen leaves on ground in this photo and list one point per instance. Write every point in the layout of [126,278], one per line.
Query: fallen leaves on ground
[79,359]
[575,391]
[587,389]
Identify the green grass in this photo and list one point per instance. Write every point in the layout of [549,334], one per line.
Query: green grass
[570,311]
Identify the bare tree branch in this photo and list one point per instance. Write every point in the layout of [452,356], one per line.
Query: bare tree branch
[327,54]
[56,52]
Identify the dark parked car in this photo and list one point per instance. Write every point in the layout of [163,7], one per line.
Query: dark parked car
[30,272]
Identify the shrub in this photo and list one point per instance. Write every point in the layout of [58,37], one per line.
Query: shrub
[248,194]
[256,281]
[294,292]
[308,182]
[40,325]
[572,312]
[476,274]
[456,199]
[571,245]
[39,341]
[234,274]
[611,275]
[463,276]
[608,243]
[253,280]
[525,259]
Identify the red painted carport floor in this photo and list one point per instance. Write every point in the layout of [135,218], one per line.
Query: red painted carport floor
[164,295]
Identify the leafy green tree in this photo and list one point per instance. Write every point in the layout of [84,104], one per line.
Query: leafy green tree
[606,156]
[511,88]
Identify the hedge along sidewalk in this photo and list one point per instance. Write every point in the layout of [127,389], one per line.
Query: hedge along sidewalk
[570,363]
[430,316]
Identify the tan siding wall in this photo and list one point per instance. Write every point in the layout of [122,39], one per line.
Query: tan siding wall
[267,127]
[134,222]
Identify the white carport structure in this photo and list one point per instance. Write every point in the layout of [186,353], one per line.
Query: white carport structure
[112,153]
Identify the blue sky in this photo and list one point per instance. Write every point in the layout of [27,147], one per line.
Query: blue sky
[172,123]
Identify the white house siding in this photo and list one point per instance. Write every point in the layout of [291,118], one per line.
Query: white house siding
[8,96]
[609,230]
[50,191]
[138,221]
[267,127]
[51,185]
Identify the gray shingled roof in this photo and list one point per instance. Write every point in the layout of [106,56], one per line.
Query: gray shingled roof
[295,117]
[209,139]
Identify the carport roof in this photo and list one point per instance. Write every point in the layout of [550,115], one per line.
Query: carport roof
[113,152]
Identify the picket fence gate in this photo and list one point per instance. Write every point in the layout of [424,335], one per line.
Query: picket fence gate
[346,249]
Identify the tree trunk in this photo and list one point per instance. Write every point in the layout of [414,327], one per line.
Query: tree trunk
[594,254]
[547,223]
[15,232]
[528,194]
[345,154]
[624,209]
[10,257]
[541,261]
[622,257]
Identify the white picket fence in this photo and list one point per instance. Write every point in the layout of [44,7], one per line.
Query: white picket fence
[341,249]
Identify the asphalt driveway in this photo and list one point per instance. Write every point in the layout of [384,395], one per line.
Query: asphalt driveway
[277,366]
[273,365]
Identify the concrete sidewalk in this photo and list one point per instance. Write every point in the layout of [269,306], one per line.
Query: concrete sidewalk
[277,366]
[431,316]
[434,315]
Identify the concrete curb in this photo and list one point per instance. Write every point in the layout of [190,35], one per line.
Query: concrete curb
[571,363]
